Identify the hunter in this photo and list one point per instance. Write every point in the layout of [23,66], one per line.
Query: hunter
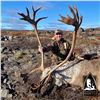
[59,48]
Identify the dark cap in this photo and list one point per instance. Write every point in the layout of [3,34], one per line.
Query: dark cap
[58,32]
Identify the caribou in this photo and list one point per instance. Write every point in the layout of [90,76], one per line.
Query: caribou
[79,69]
[75,21]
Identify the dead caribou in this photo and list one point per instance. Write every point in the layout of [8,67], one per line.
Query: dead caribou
[76,22]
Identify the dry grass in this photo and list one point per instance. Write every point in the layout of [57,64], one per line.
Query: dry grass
[27,41]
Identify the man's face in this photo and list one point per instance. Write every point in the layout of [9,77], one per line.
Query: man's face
[58,36]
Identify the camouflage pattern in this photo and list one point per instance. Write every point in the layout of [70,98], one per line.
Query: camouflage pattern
[59,50]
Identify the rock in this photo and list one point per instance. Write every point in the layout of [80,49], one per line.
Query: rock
[4,93]
[19,54]
[10,59]
[4,78]
[4,58]
[25,77]
[10,38]
[5,81]
[11,89]
[2,66]
[3,49]
[4,38]
[9,96]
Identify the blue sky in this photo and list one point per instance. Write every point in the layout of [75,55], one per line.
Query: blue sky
[90,10]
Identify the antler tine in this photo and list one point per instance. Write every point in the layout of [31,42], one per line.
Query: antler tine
[33,8]
[70,19]
[21,14]
[72,11]
[26,17]
[34,12]
[81,18]
[77,15]
[67,20]
[76,21]
[63,19]
[27,12]
[68,16]
[40,19]
[38,9]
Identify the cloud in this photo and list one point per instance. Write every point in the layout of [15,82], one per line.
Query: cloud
[14,26]
[10,18]
[44,4]
[13,23]
[9,13]
[17,24]
[58,25]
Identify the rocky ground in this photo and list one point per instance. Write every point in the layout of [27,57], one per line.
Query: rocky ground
[19,56]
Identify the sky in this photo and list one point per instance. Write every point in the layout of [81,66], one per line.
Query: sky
[90,10]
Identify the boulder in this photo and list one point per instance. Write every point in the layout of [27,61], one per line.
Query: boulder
[4,93]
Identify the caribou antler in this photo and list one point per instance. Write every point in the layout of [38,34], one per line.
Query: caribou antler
[34,23]
[76,22]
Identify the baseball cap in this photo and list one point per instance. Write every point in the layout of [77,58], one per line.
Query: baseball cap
[58,32]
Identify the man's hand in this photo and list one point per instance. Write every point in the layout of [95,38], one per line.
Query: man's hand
[40,49]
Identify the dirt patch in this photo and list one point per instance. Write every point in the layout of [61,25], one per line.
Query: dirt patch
[19,56]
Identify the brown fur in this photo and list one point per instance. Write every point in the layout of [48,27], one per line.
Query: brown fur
[84,68]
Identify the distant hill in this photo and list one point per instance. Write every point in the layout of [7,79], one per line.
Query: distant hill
[92,29]
[31,32]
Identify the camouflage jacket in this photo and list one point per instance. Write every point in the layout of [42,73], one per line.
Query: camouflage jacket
[59,50]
